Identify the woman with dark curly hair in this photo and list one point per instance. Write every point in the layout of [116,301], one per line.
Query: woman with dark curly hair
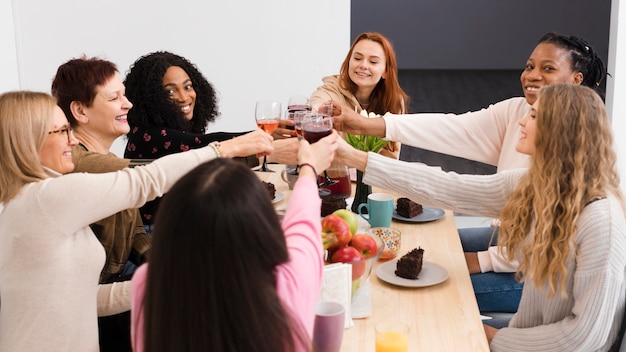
[186,106]
[172,105]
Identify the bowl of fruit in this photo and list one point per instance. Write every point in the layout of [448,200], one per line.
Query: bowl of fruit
[345,245]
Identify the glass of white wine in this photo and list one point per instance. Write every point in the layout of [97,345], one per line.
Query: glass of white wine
[267,114]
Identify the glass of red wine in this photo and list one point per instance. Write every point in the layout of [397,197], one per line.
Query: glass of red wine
[267,114]
[314,128]
[298,117]
[297,105]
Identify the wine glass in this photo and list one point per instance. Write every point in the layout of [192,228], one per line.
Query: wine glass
[298,117]
[315,128]
[297,103]
[267,115]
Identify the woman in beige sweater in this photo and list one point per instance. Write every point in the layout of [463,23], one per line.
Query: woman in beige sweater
[50,260]
[368,80]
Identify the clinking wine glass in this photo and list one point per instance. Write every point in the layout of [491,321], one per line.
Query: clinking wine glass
[314,129]
[298,117]
[296,107]
[297,103]
[267,114]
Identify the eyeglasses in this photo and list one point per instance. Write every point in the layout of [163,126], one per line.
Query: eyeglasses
[65,130]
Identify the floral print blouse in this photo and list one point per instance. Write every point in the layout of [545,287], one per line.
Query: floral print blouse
[154,142]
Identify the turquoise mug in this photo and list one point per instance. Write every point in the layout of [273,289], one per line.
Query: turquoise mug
[379,209]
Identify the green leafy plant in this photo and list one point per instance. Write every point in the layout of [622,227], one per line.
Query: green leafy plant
[366,143]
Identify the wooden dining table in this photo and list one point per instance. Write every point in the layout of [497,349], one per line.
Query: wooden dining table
[441,317]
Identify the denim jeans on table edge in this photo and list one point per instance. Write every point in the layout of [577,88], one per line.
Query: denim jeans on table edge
[495,292]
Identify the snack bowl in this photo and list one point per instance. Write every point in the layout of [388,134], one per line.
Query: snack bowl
[390,237]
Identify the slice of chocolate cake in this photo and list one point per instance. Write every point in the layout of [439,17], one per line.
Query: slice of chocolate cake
[271,189]
[408,208]
[331,203]
[409,265]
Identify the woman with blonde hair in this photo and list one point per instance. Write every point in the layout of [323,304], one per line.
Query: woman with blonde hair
[367,80]
[563,219]
[50,259]
[489,136]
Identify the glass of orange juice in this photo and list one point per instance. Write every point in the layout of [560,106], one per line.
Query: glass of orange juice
[392,336]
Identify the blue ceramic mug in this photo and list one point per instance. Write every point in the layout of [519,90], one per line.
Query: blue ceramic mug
[379,209]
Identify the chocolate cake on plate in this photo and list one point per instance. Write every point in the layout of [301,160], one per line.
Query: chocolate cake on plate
[409,265]
[271,189]
[408,208]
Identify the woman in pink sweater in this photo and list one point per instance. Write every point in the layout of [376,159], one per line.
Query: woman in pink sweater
[223,275]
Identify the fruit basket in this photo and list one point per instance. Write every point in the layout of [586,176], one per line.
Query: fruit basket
[361,269]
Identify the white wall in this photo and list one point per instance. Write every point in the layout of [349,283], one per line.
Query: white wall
[249,50]
[226,39]
[8,55]
[616,85]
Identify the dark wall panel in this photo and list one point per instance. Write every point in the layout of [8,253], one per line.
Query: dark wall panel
[478,34]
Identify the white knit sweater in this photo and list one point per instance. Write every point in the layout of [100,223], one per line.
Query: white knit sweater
[488,135]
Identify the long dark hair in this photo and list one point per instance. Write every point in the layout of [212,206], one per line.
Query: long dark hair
[211,285]
[151,104]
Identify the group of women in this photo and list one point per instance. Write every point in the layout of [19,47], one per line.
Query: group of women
[556,195]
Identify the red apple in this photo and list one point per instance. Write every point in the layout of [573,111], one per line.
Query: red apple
[335,232]
[365,244]
[349,254]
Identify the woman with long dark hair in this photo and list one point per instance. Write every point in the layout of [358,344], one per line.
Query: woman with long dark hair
[224,274]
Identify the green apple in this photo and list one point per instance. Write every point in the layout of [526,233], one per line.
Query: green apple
[355,286]
[350,218]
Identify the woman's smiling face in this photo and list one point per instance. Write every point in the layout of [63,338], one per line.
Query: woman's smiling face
[367,64]
[180,90]
[526,143]
[56,151]
[546,65]
[107,114]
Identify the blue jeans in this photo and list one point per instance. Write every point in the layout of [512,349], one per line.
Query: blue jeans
[495,292]
[497,323]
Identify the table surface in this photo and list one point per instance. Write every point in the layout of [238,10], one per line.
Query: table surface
[443,317]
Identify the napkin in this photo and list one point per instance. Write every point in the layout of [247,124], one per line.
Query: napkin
[337,287]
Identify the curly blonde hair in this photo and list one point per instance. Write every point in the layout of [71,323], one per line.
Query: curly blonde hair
[573,164]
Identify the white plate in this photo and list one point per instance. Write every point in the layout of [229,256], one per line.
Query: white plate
[429,214]
[278,196]
[431,274]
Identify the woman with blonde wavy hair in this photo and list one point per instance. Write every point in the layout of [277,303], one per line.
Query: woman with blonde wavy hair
[563,218]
